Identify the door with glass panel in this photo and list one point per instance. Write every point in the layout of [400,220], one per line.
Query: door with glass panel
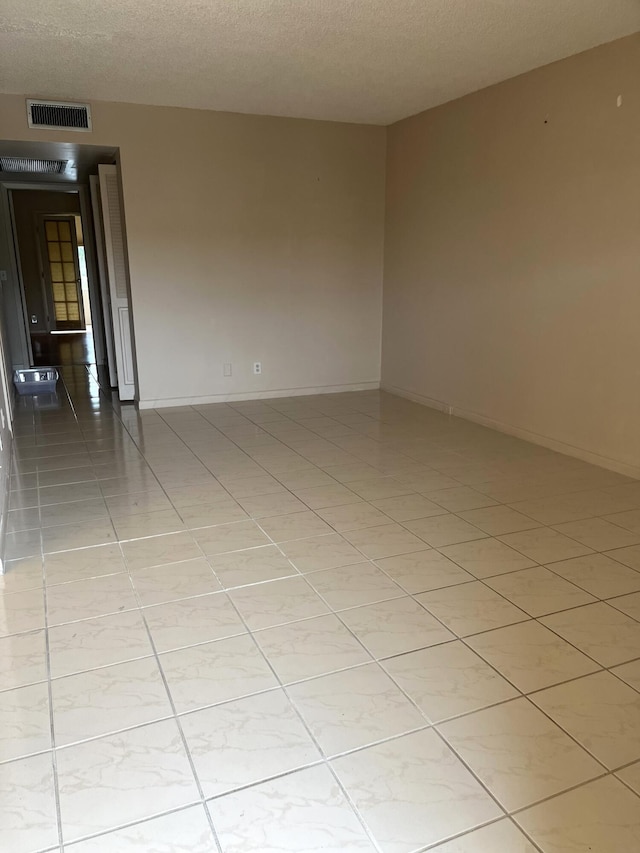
[61,273]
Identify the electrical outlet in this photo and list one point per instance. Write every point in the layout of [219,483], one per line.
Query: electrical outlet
[226,369]
[34,319]
[257,367]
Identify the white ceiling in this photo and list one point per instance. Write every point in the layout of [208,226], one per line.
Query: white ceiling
[348,60]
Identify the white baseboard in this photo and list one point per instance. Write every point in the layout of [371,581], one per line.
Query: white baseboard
[258,395]
[618,465]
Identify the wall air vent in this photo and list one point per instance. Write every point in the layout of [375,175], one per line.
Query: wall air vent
[53,115]
[32,167]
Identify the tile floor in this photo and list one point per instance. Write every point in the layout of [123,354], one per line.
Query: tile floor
[339,623]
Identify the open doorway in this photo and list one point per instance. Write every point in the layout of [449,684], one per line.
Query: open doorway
[63,253]
[51,251]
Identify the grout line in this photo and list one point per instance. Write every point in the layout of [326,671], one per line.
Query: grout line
[54,761]
[185,745]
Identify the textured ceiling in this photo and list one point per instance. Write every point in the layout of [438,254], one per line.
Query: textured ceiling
[348,60]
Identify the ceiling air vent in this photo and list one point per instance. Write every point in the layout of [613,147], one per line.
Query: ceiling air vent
[31,166]
[53,115]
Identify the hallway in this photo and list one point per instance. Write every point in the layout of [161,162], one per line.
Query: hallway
[58,349]
[341,623]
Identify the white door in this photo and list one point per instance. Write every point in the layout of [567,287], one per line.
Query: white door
[118,276]
[96,210]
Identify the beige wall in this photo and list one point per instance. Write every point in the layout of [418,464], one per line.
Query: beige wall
[27,205]
[512,255]
[250,239]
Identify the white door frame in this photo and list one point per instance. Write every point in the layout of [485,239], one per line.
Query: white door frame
[115,241]
[98,230]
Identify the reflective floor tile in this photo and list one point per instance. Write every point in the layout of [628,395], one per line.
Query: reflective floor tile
[539,591]
[22,575]
[444,530]
[277,602]
[210,515]
[79,646]
[459,499]
[229,537]
[471,608]
[629,604]
[185,831]
[486,557]
[192,620]
[378,488]
[310,647]
[159,550]
[21,611]
[82,564]
[545,545]
[599,534]
[84,599]
[499,837]
[215,672]
[496,520]
[25,543]
[261,506]
[423,570]
[147,524]
[413,791]
[601,817]
[630,673]
[28,821]
[349,709]
[319,497]
[22,659]
[518,753]
[627,556]
[25,726]
[246,741]
[448,680]
[80,535]
[137,502]
[531,656]
[392,627]
[122,778]
[106,700]
[600,712]
[353,517]
[409,507]
[293,814]
[599,575]
[386,540]
[251,566]
[296,525]
[320,552]
[598,630]
[631,775]
[174,581]
[71,513]
[351,586]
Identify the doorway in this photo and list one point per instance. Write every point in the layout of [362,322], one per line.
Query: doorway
[63,256]
[66,282]
[51,254]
